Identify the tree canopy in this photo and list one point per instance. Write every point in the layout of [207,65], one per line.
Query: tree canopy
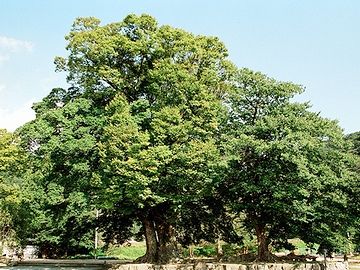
[11,198]
[288,167]
[159,129]
[137,131]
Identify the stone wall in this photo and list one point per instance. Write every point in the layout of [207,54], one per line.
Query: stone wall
[225,266]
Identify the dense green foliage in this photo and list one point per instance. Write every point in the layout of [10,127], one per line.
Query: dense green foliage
[353,240]
[160,131]
[288,167]
[12,198]
[62,147]
[355,139]
[158,154]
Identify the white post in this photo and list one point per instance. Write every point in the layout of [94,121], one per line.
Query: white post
[96,234]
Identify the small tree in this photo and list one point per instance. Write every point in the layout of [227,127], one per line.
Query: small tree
[61,143]
[12,216]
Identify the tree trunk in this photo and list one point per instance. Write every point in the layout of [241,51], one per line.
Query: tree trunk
[151,255]
[264,254]
[160,242]
[219,250]
[167,242]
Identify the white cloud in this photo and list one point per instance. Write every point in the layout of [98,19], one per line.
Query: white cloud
[12,119]
[4,57]
[9,46]
[2,87]
[15,45]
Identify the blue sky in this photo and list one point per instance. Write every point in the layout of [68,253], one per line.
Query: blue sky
[313,43]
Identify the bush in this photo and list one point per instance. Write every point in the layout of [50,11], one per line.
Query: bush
[205,251]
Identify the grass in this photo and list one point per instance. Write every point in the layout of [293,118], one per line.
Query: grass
[132,252]
[301,248]
[138,249]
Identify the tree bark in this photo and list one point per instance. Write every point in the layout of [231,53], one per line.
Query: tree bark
[151,255]
[264,254]
[160,242]
[167,242]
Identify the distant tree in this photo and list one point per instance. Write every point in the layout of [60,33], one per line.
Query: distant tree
[11,198]
[61,143]
[288,167]
[354,235]
[355,140]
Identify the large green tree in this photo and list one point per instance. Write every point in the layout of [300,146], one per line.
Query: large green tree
[136,133]
[159,129]
[159,149]
[288,167]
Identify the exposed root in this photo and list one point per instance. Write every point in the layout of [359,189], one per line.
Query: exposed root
[146,259]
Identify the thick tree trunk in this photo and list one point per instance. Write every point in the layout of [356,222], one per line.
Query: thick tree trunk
[160,242]
[151,255]
[264,254]
[167,242]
